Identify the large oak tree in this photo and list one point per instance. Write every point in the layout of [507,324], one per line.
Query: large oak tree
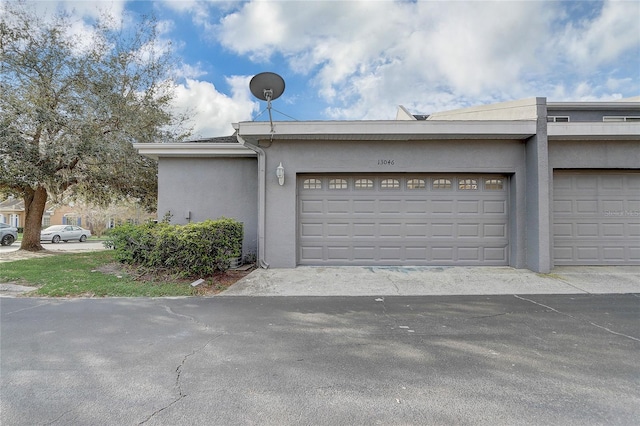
[71,107]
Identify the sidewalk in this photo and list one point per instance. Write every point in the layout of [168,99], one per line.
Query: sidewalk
[422,281]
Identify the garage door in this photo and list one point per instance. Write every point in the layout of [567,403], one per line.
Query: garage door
[596,218]
[402,219]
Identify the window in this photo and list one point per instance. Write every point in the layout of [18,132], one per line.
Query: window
[441,184]
[46,221]
[493,184]
[467,184]
[70,219]
[338,184]
[14,220]
[557,119]
[312,184]
[390,184]
[416,184]
[363,184]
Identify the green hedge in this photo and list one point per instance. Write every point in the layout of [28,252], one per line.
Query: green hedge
[196,249]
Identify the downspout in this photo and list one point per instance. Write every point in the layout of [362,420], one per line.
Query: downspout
[262,179]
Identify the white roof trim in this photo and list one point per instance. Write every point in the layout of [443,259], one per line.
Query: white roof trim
[187,149]
[392,130]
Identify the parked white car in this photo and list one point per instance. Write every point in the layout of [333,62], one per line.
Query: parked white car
[57,233]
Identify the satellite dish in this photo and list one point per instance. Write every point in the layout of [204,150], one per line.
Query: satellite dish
[267,86]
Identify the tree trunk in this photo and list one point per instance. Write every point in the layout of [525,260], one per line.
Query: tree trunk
[34,204]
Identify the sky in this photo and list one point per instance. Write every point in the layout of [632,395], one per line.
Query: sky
[359,60]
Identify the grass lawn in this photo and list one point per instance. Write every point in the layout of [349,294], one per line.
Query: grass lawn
[97,274]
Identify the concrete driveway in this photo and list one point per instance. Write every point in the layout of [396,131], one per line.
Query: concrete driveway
[418,360]
[405,281]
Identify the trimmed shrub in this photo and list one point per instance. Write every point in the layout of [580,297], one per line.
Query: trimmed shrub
[195,249]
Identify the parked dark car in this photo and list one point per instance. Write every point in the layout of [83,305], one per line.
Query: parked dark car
[8,234]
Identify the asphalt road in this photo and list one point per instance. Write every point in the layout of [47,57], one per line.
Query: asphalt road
[488,360]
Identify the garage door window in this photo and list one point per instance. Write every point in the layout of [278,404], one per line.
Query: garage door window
[364,184]
[416,184]
[390,184]
[338,184]
[467,184]
[441,184]
[312,184]
[493,184]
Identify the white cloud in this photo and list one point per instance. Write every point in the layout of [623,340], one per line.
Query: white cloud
[364,58]
[610,34]
[213,112]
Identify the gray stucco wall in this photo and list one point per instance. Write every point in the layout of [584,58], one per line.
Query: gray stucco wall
[210,188]
[592,154]
[538,203]
[433,156]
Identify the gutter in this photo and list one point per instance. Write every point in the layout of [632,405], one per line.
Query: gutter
[262,179]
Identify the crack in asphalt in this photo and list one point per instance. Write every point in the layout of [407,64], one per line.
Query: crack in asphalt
[490,316]
[178,384]
[577,319]
[61,415]
[28,308]
[179,369]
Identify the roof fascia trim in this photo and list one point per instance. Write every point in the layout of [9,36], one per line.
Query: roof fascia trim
[593,131]
[389,130]
[186,149]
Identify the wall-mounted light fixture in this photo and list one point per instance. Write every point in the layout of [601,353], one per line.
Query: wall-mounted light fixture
[280,174]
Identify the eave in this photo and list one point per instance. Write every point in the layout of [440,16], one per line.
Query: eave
[196,149]
[594,131]
[394,130]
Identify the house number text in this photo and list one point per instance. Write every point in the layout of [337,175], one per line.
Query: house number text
[386,162]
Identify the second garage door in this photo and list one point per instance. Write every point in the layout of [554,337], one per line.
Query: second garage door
[596,218]
[402,219]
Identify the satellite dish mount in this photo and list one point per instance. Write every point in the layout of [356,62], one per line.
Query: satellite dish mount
[267,86]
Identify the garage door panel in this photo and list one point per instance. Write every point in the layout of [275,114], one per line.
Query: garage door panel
[406,223]
[338,230]
[468,230]
[562,206]
[495,255]
[442,207]
[613,230]
[442,230]
[466,207]
[495,231]
[337,206]
[613,253]
[594,220]
[494,207]
[587,230]
[416,230]
[312,206]
[586,206]
[311,230]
